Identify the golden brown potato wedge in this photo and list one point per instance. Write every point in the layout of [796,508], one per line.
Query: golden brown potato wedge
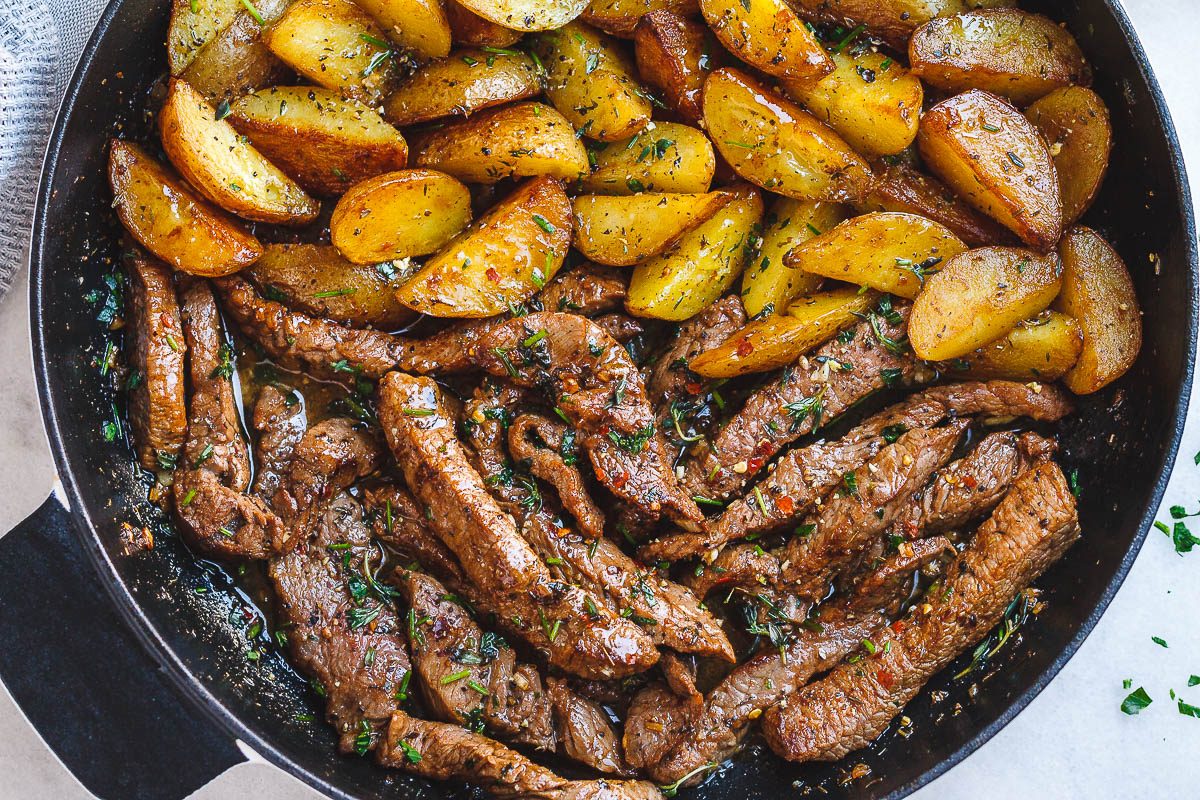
[513,141]
[236,60]
[1038,349]
[891,20]
[624,230]
[504,258]
[675,56]
[1006,51]
[592,83]
[620,17]
[696,270]
[778,340]
[1074,122]
[772,142]
[665,157]
[325,143]
[889,251]
[410,212]
[223,166]
[869,100]
[463,83]
[419,26]
[899,187]
[979,296]
[768,36]
[195,23]
[768,283]
[527,15]
[1098,292]
[179,227]
[471,30]
[335,44]
[992,156]
[315,279]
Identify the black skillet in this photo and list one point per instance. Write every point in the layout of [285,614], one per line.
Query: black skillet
[134,669]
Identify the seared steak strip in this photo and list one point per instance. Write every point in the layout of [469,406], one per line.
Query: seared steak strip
[1030,529]
[621,327]
[588,289]
[576,633]
[548,447]
[154,351]
[585,732]
[398,522]
[280,422]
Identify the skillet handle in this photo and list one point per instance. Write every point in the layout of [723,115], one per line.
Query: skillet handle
[84,680]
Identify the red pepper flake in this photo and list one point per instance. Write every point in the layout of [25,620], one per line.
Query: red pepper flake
[886,679]
[969,481]
[898,625]
[492,275]
[754,464]
[693,387]
[785,504]
[620,480]
[745,347]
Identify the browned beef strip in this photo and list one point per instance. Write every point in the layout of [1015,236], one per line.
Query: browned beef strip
[743,566]
[209,484]
[819,388]
[576,632]
[656,721]
[887,585]
[621,327]
[399,522]
[1030,529]
[280,422]
[588,289]
[154,352]
[670,378]
[548,447]
[679,672]
[590,377]
[585,733]
[443,751]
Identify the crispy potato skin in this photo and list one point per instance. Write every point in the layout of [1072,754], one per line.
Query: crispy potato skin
[891,20]
[1006,51]
[769,284]
[675,56]
[1074,121]
[504,257]
[527,15]
[1098,292]
[410,212]
[680,159]
[620,17]
[773,143]
[172,222]
[977,297]
[888,251]
[993,157]
[317,280]
[420,26]
[461,84]
[193,25]
[513,141]
[1040,349]
[623,230]
[325,143]
[768,36]
[236,60]
[471,30]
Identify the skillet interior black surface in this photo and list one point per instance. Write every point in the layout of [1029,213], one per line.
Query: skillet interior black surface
[1122,442]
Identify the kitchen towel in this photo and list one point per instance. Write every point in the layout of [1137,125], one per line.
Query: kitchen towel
[40,43]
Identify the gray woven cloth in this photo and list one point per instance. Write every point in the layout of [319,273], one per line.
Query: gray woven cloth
[39,45]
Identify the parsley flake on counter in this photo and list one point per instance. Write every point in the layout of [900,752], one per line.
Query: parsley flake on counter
[1135,701]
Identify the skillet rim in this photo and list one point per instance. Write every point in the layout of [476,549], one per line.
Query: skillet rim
[195,690]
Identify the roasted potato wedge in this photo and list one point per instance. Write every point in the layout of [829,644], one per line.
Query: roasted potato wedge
[1006,51]
[620,17]
[325,143]
[223,167]
[696,270]
[463,83]
[513,141]
[471,30]
[624,230]
[992,156]
[317,280]
[1074,121]
[592,83]
[179,227]
[869,100]
[1098,292]
[411,212]
[335,44]
[527,15]
[419,26]
[902,188]
[772,142]
[889,251]
[195,23]
[665,157]
[675,56]
[891,20]
[236,60]
[977,297]
[778,340]
[769,284]
[504,258]
[768,36]
[1040,349]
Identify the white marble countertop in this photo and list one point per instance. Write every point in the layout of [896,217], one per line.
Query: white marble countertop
[1071,742]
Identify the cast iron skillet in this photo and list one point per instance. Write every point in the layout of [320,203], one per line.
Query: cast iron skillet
[142,687]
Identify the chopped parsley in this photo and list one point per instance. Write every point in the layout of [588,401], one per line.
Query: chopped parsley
[1135,701]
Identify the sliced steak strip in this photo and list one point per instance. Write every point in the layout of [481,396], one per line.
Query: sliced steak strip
[548,447]
[443,751]
[209,484]
[280,422]
[621,327]
[585,733]
[575,632]
[1030,529]
[670,380]
[590,377]
[398,521]
[154,352]
[588,289]
[886,586]
[656,721]
[843,371]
